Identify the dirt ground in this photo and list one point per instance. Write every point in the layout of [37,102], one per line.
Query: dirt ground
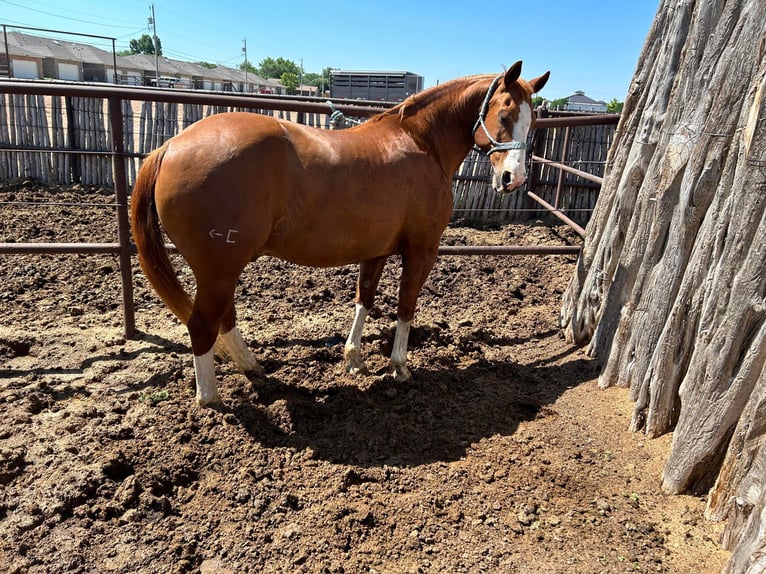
[501,455]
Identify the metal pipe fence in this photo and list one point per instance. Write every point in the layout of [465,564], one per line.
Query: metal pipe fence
[115,103]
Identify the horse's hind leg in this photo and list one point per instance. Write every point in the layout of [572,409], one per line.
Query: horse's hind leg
[369,276]
[234,345]
[212,301]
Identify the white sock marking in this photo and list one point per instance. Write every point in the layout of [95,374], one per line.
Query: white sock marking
[354,341]
[239,351]
[204,372]
[399,354]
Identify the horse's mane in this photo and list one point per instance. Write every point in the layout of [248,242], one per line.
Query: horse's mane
[416,102]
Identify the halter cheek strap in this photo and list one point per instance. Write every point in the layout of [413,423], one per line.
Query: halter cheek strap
[496,145]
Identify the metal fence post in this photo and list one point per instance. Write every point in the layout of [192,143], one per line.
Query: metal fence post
[538,148]
[123,225]
[564,152]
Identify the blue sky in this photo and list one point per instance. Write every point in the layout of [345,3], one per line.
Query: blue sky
[589,45]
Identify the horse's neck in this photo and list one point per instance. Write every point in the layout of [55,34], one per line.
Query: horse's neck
[442,119]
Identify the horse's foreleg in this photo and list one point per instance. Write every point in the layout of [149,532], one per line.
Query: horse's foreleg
[234,345]
[398,363]
[369,276]
[351,352]
[416,265]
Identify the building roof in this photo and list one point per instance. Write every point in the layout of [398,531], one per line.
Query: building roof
[20,44]
[579,97]
[166,66]
[371,73]
[38,47]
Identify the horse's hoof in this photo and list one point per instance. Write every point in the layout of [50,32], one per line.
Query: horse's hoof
[210,402]
[400,373]
[357,368]
[355,364]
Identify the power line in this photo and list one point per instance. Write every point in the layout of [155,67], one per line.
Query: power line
[194,58]
[122,39]
[209,24]
[69,18]
[130,35]
[198,40]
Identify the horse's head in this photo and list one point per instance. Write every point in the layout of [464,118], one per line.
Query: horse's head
[505,119]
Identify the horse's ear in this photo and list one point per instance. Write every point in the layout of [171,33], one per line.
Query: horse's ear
[513,74]
[539,82]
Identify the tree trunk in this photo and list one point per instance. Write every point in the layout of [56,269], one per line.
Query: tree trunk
[670,290]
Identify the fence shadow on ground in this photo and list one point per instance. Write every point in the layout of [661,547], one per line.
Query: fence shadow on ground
[160,346]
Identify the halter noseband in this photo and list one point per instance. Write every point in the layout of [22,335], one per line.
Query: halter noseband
[496,145]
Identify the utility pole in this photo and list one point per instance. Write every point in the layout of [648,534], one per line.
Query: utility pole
[153,24]
[247,64]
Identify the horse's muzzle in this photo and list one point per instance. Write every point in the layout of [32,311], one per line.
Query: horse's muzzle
[506,181]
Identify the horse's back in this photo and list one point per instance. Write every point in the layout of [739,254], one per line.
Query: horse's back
[222,138]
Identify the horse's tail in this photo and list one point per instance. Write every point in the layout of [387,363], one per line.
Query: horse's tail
[150,241]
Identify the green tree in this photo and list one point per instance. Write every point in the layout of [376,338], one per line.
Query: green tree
[274,68]
[289,81]
[208,65]
[319,80]
[145,45]
[312,79]
[614,107]
[559,104]
[247,66]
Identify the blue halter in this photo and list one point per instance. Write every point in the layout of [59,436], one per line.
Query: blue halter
[496,145]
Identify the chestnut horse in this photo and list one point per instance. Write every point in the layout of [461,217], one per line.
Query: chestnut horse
[235,186]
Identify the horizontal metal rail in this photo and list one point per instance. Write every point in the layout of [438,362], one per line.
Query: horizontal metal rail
[557,213]
[115,249]
[258,102]
[568,169]
[70,151]
[509,249]
[575,121]
[56,248]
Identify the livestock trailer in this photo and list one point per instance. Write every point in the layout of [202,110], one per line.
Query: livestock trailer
[374,86]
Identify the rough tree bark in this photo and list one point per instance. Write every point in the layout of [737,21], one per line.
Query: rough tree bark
[670,290]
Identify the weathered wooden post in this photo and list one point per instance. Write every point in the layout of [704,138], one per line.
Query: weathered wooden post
[72,140]
[670,290]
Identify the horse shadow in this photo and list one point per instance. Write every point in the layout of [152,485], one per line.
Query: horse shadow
[435,417]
